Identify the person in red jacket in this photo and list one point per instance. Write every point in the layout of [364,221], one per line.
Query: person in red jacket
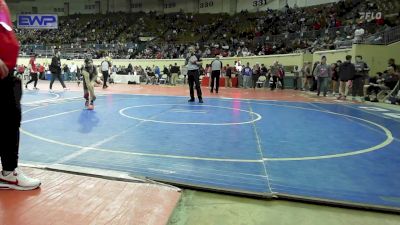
[41,71]
[10,113]
[33,72]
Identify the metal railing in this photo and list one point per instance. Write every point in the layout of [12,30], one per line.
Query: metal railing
[384,37]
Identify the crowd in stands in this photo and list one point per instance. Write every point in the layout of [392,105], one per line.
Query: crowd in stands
[151,35]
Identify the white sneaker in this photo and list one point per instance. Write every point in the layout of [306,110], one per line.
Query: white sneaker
[17,180]
[51,91]
[66,89]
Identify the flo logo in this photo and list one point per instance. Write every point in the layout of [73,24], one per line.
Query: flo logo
[371,15]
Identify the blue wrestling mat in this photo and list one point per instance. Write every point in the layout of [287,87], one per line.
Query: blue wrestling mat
[341,153]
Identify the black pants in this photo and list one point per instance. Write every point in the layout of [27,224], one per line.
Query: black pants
[41,76]
[358,85]
[34,78]
[314,84]
[296,83]
[193,79]
[254,80]
[10,114]
[215,74]
[105,78]
[282,82]
[53,78]
[273,84]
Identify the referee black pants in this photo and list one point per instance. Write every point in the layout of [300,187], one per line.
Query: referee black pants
[194,80]
[215,74]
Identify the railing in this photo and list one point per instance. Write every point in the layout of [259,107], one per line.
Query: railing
[383,38]
[71,51]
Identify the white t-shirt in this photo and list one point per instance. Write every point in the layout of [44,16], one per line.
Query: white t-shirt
[73,68]
[105,66]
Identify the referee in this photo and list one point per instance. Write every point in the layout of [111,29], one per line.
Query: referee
[193,63]
[216,66]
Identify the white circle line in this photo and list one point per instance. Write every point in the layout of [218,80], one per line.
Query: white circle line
[122,112]
[141,154]
[57,96]
[374,148]
[387,132]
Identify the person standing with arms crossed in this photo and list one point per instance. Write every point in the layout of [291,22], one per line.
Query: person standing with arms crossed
[11,177]
[193,63]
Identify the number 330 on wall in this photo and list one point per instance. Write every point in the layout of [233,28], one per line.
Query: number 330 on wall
[206,4]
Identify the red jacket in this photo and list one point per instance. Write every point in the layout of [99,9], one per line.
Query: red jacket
[9,46]
[33,65]
[41,69]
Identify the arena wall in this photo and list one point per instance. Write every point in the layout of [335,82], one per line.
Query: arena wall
[288,60]
[377,56]
[162,6]
[333,55]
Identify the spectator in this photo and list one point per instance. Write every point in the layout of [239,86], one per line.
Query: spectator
[335,78]
[362,70]
[167,72]
[347,71]
[323,73]
[246,73]
[275,73]
[296,76]
[174,73]
[306,76]
[73,71]
[256,74]
[228,76]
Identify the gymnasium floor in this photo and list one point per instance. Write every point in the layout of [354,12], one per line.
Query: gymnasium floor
[261,143]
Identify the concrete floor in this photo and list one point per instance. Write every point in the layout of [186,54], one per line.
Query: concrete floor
[200,208]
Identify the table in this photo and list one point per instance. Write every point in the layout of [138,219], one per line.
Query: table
[124,78]
[206,82]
